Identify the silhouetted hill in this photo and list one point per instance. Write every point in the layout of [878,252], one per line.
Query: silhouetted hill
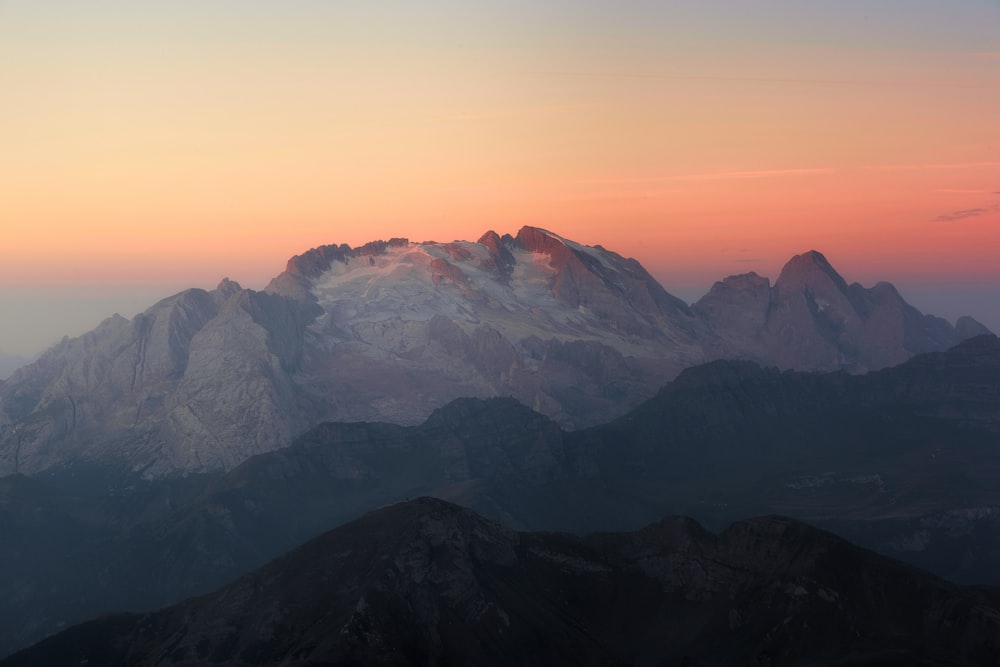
[427,582]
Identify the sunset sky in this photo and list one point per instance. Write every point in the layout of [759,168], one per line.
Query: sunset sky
[146,147]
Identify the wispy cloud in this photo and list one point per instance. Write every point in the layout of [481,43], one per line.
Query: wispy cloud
[961,215]
[930,167]
[988,54]
[613,195]
[714,176]
[759,173]
[967,213]
[869,83]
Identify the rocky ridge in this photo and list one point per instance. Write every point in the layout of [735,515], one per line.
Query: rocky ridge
[811,319]
[426,582]
[392,330]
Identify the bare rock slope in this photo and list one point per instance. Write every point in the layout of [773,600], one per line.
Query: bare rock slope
[392,330]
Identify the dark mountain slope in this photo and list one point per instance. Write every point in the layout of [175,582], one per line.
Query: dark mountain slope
[153,542]
[723,441]
[426,582]
[904,461]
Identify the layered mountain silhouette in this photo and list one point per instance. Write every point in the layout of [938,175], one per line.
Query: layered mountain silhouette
[427,582]
[390,331]
[903,460]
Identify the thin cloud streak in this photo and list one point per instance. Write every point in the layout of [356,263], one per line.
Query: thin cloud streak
[714,176]
[928,167]
[761,173]
[967,213]
[869,83]
[614,195]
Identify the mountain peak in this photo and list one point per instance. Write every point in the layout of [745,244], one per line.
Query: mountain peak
[969,327]
[536,239]
[490,239]
[227,286]
[808,260]
[804,270]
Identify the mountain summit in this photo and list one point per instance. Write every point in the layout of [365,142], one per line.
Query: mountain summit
[392,330]
[811,319]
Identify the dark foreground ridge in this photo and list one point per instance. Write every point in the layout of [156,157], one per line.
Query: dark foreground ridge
[428,582]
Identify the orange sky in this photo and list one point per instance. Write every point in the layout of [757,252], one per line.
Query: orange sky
[170,144]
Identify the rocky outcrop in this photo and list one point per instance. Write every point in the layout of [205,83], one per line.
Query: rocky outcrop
[197,382]
[426,582]
[811,319]
[620,291]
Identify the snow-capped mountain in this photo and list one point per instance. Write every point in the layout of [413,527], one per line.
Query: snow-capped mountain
[572,331]
[393,329]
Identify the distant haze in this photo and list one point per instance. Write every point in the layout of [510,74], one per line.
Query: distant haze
[34,318]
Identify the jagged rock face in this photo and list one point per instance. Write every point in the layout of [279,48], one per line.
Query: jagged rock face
[426,582]
[813,320]
[392,330]
[737,308]
[198,382]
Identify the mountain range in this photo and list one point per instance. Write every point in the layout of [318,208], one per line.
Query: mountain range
[902,460]
[429,583]
[546,384]
[392,330]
